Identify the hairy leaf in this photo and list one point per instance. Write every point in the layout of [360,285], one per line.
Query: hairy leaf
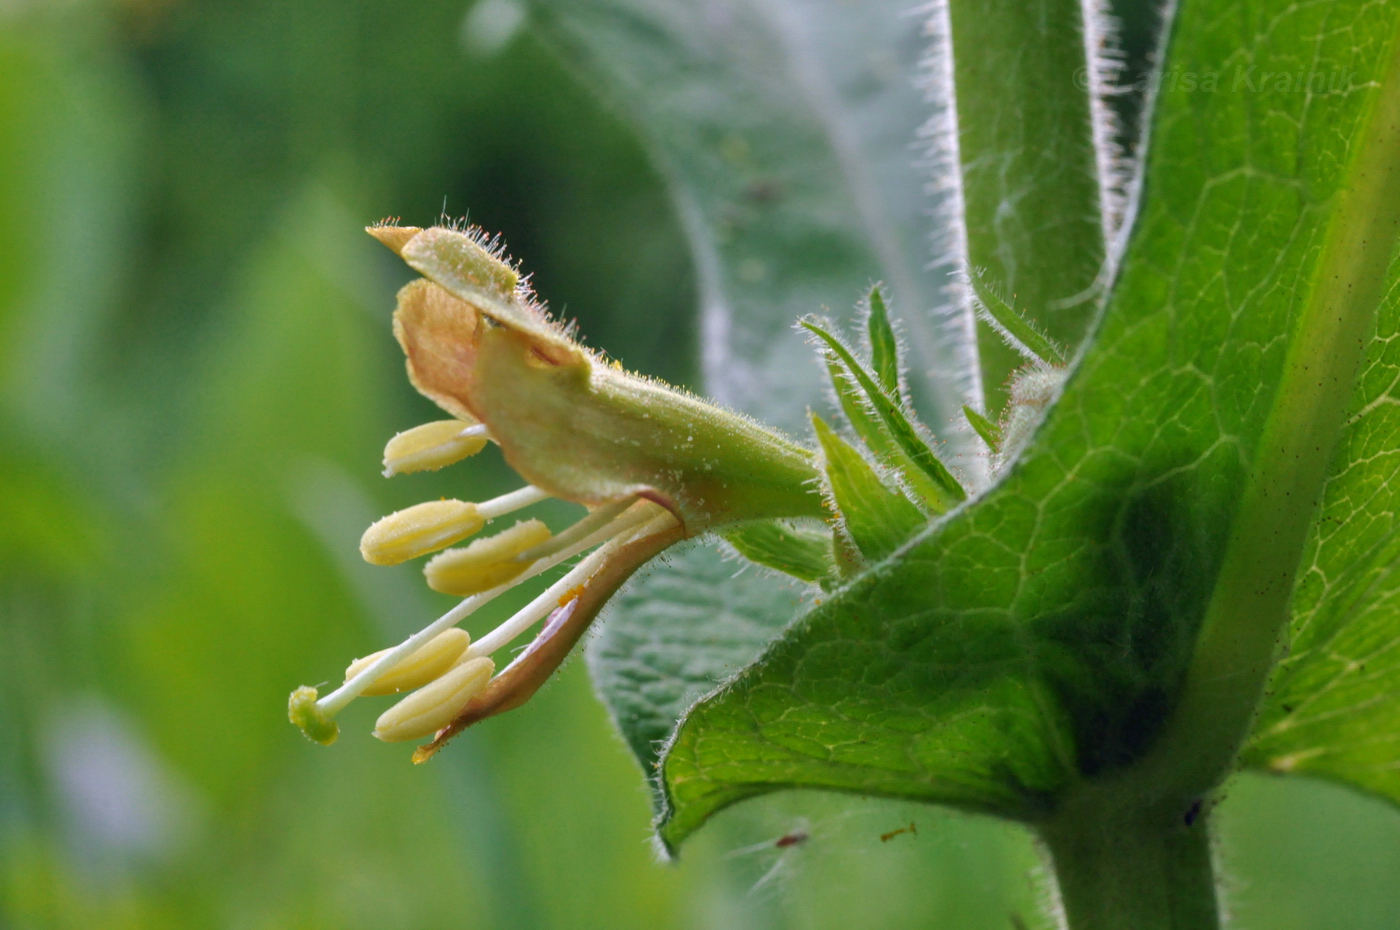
[1332,707]
[1041,635]
[785,129]
[675,634]
[860,413]
[1038,193]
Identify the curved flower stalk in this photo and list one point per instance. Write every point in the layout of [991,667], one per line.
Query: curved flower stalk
[653,465]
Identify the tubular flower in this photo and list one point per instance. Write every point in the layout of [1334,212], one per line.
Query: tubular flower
[652,465]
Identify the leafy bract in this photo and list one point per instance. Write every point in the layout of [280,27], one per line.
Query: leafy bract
[877,518]
[916,460]
[884,346]
[1040,635]
[802,550]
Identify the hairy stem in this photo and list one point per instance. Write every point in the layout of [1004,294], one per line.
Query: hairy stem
[1127,860]
[1030,165]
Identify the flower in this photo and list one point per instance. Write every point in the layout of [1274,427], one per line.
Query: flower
[652,464]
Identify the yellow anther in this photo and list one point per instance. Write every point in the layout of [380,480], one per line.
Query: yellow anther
[486,563]
[425,664]
[429,709]
[304,712]
[432,446]
[418,530]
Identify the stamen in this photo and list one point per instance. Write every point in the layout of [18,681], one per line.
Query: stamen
[334,702]
[486,563]
[515,500]
[431,708]
[433,446]
[582,528]
[420,529]
[428,663]
[547,602]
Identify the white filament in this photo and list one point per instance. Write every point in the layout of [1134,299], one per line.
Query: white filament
[333,703]
[515,500]
[547,602]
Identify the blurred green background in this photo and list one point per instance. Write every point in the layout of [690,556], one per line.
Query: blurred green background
[196,380]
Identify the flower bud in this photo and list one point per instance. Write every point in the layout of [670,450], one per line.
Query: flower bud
[425,664]
[429,709]
[486,563]
[432,446]
[418,530]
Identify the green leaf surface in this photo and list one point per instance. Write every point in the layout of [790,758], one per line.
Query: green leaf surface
[675,634]
[1041,635]
[877,518]
[1331,708]
[786,131]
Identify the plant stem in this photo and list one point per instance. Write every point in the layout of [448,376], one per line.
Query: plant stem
[1126,860]
[1030,165]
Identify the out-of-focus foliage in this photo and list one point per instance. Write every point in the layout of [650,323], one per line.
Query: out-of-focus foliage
[196,378]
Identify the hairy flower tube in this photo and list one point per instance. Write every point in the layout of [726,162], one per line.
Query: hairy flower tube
[652,465]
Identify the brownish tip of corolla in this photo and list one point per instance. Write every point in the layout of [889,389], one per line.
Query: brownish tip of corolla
[392,235]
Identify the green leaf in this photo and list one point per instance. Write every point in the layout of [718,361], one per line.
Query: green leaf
[877,518]
[1048,633]
[1330,709]
[947,491]
[801,550]
[884,347]
[784,130]
[675,634]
